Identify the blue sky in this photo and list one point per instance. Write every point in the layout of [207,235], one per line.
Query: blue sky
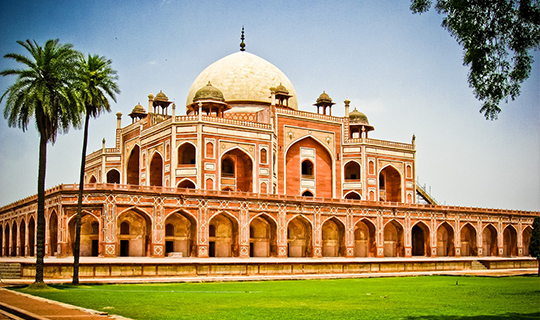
[403,71]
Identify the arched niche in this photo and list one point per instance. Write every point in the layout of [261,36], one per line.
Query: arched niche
[510,242]
[333,238]
[223,236]
[14,239]
[53,234]
[134,234]
[299,237]
[186,183]
[31,236]
[445,240]
[364,239]
[156,170]
[352,171]
[468,241]
[237,171]
[353,195]
[262,237]
[113,176]
[89,241]
[22,238]
[420,240]
[180,234]
[527,233]
[390,184]
[133,166]
[393,239]
[187,154]
[489,241]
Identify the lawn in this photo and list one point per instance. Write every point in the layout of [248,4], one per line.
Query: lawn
[426,297]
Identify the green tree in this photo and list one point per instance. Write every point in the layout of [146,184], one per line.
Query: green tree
[42,91]
[95,81]
[534,244]
[497,37]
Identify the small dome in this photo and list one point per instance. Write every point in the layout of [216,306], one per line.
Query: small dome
[161,96]
[281,89]
[208,92]
[324,98]
[138,109]
[358,117]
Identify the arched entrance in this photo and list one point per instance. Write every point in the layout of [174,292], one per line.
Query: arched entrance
[445,240]
[134,233]
[420,240]
[527,233]
[393,239]
[31,236]
[113,176]
[236,171]
[133,166]
[223,236]
[308,165]
[353,195]
[510,242]
[352,171]
[156,170]
[333,238]
[390,185]
[89,245]
[262,237]
[22,238]
[364,239]
[489,241]
[299,237]
[180,234]
[186,154]
[468,241]
[53,234]
[6,242]
[14,239]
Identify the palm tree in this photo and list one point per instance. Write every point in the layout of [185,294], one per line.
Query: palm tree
[95,80]
[42,91]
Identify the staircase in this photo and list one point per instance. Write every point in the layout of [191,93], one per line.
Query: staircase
[10,271]
[477,265]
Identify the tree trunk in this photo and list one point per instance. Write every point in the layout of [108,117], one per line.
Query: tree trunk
[77,245]
[40,241]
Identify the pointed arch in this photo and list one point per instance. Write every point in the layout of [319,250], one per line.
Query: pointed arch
[180,233]
[445,240]
[308,194]
[133,166]
[333,238]
[510,241]
[468,240]
[299,237]
[390,184]
[53,234]
[489,240]
[22,238]
[92,179]
[187,154]
[31,236]
[236,169]
[420,239]
[89,241]
[352,170]
[526,236]
[393,239]
[134,233]
[187,184]
[156,170]
[223,235]
[309,148]
[14,239]
[6,236]
[262,236]
[113,176]
[353,195]
[364,239]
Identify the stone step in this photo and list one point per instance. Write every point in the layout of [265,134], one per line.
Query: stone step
[477,265]
[10,270]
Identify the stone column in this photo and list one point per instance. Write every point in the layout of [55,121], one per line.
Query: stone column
[349,235]
[202,229]
[244,230]
[282,231]
[380,235]
[317,235]
[407,235]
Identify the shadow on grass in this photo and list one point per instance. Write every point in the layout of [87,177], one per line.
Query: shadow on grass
[513,316]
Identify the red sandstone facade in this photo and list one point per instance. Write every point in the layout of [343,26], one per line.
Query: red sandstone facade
[254,176]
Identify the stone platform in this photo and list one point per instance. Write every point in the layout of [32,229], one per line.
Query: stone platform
[257,268]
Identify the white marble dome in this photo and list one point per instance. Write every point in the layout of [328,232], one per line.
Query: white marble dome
[243,77]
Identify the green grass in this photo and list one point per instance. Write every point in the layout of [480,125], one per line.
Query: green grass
[427,297]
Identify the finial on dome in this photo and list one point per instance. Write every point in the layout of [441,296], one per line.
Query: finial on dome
[242,44]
